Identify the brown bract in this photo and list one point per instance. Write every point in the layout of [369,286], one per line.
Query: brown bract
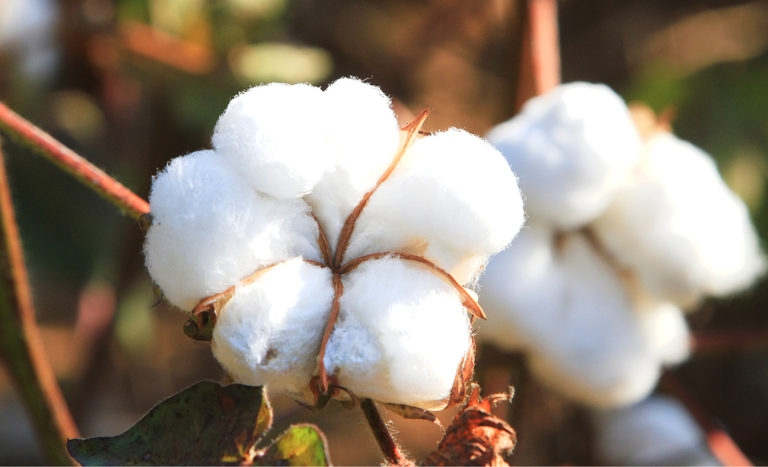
[324,386]
[476,437]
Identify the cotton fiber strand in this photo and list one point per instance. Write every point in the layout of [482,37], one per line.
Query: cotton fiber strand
[452,199]
[402,334]
[679,227]
[269,333]
[211,230]
[572,149]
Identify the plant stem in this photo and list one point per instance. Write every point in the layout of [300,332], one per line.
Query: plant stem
[723,341]
[540,54]
[21,345]
[720,443]
[75,165]
[380,431]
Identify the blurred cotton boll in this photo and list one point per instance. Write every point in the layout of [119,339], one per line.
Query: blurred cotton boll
[572,148]
[262,232]
[657,431]
[28,30]
[679,227]
[623,235]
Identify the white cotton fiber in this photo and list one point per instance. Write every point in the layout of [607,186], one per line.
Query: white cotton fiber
[211,230]
[452,199]
[270,332]
[570,312]
[401,335]
[656,431]
[364,137]
[275,136]
[571,149]
[678,226]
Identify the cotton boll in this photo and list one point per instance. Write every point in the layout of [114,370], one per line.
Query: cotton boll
[275,136]
[364,136]
[211,230]
[571,149]
[657,431]
[678,226]
[452,199]
[270,331]
[571,313]
[401,335]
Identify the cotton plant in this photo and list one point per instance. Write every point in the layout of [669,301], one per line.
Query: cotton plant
[625,233]
[333,252]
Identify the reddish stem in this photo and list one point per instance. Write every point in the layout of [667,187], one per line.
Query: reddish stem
[724,341]
[540,54]
[720,443]
[21,345]
[382,434]
[72,163]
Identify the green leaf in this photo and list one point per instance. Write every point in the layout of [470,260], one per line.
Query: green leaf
[300,445]
[204,424]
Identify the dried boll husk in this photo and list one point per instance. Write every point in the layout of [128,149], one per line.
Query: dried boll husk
[452,199]
[211,229]
[269,333]
[572,149]
[585,333]
[401,335]
[679,228]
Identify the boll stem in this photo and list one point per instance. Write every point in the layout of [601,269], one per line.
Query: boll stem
[72,163]
[382,434]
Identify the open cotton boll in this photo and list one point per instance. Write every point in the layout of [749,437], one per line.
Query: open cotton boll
[452,199]
[570,312]
[571,149]
[401,335]
[364,137]
[269,333]
[657,431]
[275,136]
[211,230]
[678,226]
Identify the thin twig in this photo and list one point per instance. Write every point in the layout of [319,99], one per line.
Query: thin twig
[87,173]
[21,345]
[724,341]
[380,431]
[540,54]
[720,443]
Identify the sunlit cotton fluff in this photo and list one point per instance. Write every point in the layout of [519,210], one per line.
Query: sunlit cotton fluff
[570,313]
[404,344]
[247,245]
[657,431]
[572,149]
[211,230]
[452,198]
[268,333]
[594,297]
[679,227]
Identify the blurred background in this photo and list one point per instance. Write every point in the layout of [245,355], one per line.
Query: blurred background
[130,84]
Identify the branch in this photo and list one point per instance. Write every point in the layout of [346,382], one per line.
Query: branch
[75,165]
[21,345]
[720,443]
[380,431]
[540,54]
[724,341]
